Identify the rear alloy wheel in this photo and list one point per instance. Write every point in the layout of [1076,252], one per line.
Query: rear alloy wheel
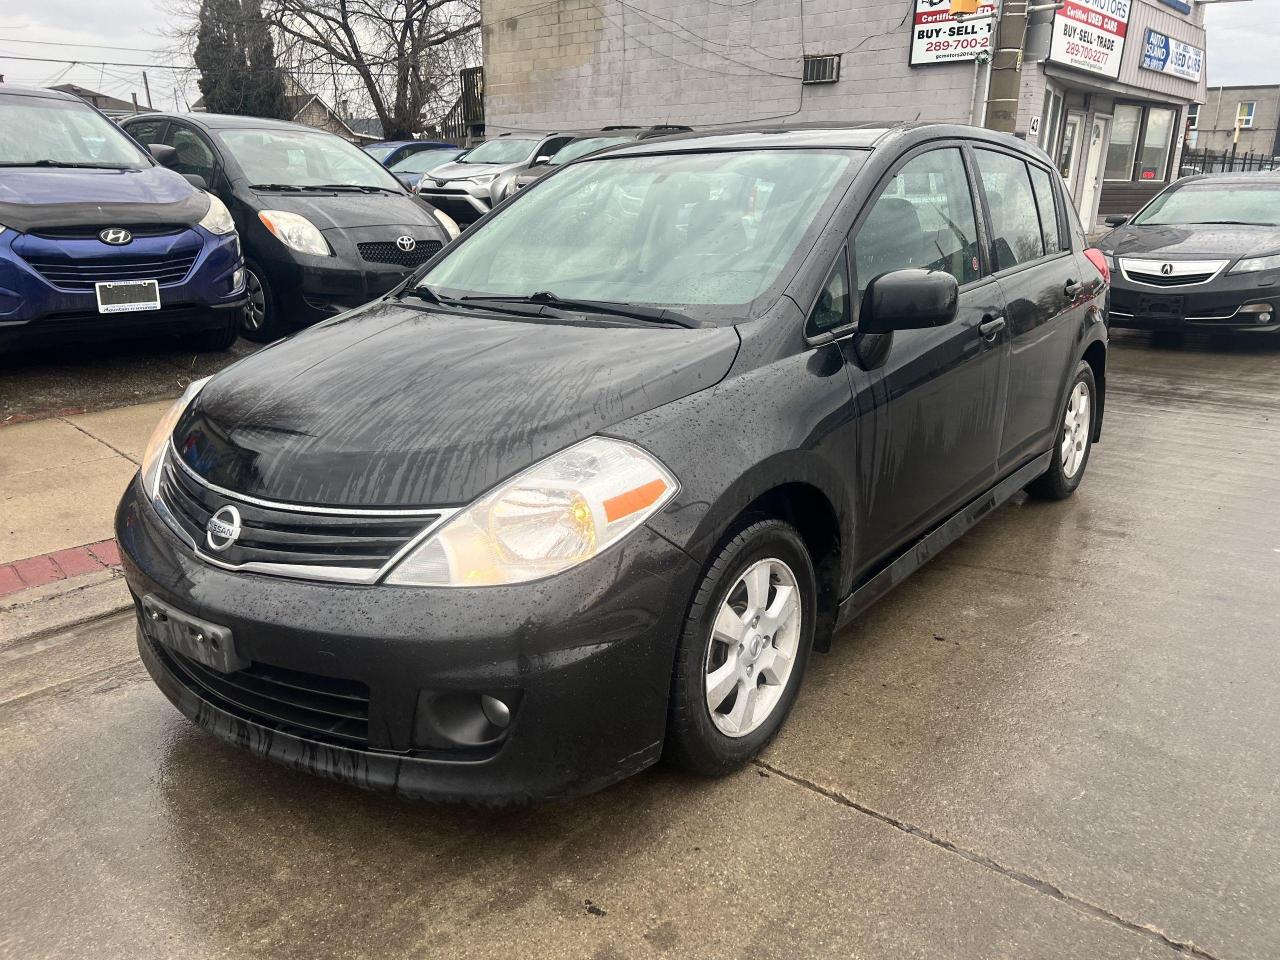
[743,650]
[1073,441]
[260,321]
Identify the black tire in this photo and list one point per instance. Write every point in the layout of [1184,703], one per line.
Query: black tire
[261,320]
[1057,483]
[693,739]
[216,339]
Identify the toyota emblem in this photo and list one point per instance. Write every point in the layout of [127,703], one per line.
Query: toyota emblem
[116,236]
[406,243]
[223,528]
[1166,269]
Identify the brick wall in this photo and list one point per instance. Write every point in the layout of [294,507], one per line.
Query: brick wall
[587,63]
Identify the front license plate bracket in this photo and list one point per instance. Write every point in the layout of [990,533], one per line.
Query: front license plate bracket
[206,643]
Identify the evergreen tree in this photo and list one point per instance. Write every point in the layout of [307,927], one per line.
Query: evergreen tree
[236,59]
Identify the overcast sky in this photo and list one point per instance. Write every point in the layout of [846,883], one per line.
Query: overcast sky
[1243,40]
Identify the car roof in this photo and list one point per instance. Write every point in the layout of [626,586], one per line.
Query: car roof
[1237,177]
[860,136]
[228,121]
[42,92]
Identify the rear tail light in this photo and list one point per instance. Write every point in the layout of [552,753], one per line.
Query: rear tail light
[1099,260]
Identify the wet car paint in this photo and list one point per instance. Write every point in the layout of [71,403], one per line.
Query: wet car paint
[870,445]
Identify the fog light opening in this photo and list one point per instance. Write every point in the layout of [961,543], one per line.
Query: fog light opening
[495,711]
[1262,312]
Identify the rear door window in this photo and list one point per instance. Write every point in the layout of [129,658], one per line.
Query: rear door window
[1046,203]
[1015,221]
[923,218]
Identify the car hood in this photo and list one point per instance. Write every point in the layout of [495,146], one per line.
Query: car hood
[33,197]
[1191,242]
[396,406]
[464,171]
[344,211]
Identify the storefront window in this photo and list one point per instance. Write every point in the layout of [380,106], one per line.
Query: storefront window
[1193,116]
[1155,143]
[1126,123]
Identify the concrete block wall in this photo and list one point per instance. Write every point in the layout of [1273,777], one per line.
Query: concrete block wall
[588,63]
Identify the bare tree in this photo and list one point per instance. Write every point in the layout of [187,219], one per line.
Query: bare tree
[405,53]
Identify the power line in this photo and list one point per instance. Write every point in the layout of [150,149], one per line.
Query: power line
[65,43]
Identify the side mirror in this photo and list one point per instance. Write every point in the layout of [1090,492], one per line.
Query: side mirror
[165,155]
[1115,221]
[539,161]
[911,299]
[196,180]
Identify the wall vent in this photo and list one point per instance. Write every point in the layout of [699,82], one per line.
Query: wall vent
[821,68]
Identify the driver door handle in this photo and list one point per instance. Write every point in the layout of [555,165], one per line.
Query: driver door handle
[990,327]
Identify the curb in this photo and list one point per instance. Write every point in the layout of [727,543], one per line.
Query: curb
[66,564]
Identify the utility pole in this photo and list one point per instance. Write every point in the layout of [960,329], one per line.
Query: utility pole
[147,87]
[1006,66]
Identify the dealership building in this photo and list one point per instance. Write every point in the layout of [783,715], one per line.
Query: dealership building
[1109,101]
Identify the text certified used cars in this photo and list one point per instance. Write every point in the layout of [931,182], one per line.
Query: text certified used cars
[1203,254]
[99,241]
[591,488]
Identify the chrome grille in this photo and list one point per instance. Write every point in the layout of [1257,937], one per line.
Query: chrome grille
[1156,280]
[287,539]
[1170,273]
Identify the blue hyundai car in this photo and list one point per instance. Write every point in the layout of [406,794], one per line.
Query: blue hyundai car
[98,240]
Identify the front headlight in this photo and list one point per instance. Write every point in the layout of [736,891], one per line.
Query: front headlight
[217,219]
[450,225]
[295,232]
[1254,264]
[555,515]
[153,455]
[483,178]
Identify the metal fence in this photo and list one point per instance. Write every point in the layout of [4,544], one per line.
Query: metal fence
[1226,161]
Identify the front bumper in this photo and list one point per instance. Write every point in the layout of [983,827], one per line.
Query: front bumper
[464,202]
[1215,305]
[584,658]
[35,311]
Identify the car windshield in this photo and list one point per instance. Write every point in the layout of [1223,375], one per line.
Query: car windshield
[506,150]
[580,148]
[424,160]
[702,229]
[1207,201]
[380,151]
[45,131]
[301,158]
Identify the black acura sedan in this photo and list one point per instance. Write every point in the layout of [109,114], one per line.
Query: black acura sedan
[324,226]
[1203,254]
[588,490]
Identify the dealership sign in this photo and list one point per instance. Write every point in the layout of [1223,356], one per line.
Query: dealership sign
[1164,54]
[1089,35]
[938,37]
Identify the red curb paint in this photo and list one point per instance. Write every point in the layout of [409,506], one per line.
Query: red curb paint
[37,571]
[106,552]
[76,561]
[10,582]
[59,565]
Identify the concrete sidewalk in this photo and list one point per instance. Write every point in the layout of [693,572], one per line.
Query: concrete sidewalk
[60,479]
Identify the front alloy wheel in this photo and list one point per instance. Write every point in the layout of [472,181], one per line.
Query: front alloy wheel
[743,649]
[753,647]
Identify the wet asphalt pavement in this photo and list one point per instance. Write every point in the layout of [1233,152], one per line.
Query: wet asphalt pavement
[1059,739]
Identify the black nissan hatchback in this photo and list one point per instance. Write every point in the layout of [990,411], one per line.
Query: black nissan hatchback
[324,226]
[590,488]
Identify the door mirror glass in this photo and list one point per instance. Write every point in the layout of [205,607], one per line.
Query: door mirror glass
[1116,221]
[165,155]
[912,299]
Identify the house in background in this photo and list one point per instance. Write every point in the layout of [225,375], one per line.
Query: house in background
[111,106]
[1255,109]
[303,106]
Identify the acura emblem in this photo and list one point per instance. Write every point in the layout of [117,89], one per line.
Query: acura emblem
[116,236]
[1166,268]
[406,243]
[223,528]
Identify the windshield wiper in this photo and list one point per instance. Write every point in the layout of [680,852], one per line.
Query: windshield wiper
[276,186]
[361,187]
[65,163]
[607,307]
[424,292]
[1230,223]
